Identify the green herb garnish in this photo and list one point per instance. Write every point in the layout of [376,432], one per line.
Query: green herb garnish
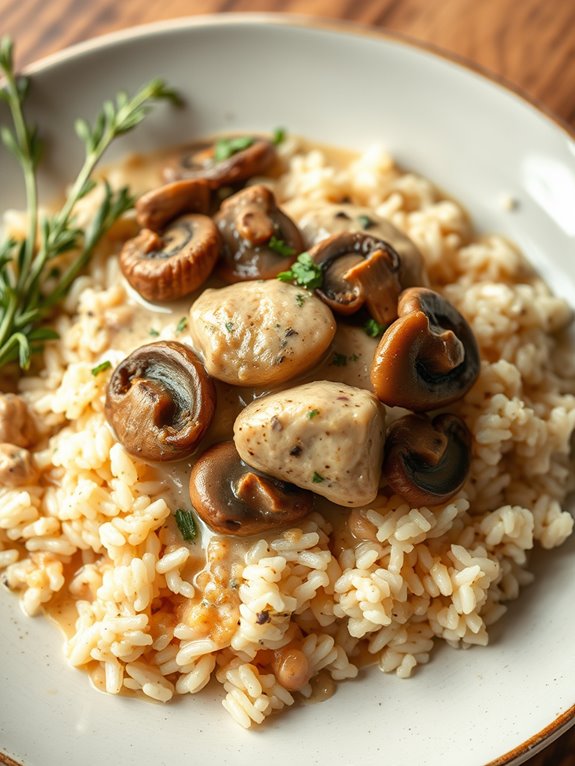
[280,246]
[317,478]
[374,329]
[102,367]
[304,272]
[312,414]
[182,324]
[338,360]
[227,147]
[279,136]
[25,265]
[229,326]
[186,524]
[154,333]
[365,221]
[300,299]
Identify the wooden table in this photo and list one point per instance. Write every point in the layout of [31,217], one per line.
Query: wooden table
[529,43]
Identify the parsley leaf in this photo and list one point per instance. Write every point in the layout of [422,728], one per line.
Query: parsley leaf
[280,246]
[365,221]
[374,329]
[312,413]
[279,136]
[338,360]
[186,524]
[317,478]
[227,147]
[182,324]
[102,367]
[304,272]
[300,299]
[154,333]
[229,326]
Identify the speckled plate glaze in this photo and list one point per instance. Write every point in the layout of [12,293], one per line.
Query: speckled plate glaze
[478,141]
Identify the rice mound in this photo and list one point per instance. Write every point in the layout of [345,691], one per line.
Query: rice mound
[159,617]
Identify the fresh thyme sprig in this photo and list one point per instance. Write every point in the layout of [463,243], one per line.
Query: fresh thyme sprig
[23,264]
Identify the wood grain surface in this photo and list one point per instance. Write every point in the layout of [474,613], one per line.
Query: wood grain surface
[528,43]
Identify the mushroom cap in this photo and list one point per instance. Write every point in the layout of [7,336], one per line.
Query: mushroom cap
[159,206]
[247,221]
[234,499]
[358,269]
[198,161]
[427,461]
[428,357]
[323,220]
[168,266]
[160,401]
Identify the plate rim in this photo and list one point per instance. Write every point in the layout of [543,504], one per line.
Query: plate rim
[563,722]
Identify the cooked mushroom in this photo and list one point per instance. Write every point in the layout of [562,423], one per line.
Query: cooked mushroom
[164,267]
[158,207]
[260,333]
[427,461]
[358,269]
[17,467]
[233,499]
[428,357]
[259,240]
[16,423]
[316,223]
[223,161]
[160,401]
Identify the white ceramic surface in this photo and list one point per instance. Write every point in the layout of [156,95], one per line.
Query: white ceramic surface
[479,142]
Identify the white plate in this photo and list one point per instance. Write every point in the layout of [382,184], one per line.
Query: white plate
[479,142]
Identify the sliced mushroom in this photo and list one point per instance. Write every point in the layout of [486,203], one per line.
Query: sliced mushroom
[160,401]
[233,499]
[16,423]
[260,333]
[259,240]
[358,269]
[251,157]
[323,220]
[428,357]
[17,468]
[158,207]
[168,266]
[427,461]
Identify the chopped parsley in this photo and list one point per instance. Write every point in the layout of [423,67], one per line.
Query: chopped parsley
[312,414]
[317,478]
[186,524]
[365,221]
[229,326]
[280,246]
[227,147]
[182,324]
[304,272]
[374,329]
[279,136]
[300,299]
[338,360]
[102,367]
[154,333]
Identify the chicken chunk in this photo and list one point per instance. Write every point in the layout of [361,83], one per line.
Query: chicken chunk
[16,423]
[17,467]
[323,436]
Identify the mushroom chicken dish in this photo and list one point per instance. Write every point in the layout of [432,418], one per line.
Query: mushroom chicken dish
[300,419]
